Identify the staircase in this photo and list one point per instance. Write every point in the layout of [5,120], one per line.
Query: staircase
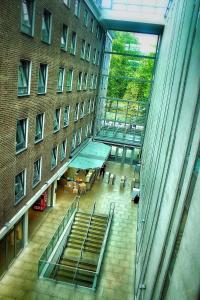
[79,261]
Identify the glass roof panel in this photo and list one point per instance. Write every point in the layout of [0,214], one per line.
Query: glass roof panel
[138,9]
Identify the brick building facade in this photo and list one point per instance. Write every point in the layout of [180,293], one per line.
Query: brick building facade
[40,42]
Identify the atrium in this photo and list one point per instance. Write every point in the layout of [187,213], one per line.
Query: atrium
[99,106]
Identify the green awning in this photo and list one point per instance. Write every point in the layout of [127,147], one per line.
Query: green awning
[92,156]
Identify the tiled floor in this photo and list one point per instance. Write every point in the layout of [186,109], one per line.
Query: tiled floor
[117,277]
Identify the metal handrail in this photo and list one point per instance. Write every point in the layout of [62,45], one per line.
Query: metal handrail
[83,243]
[48,250]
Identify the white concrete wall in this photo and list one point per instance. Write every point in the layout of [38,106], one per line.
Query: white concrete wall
[168,162]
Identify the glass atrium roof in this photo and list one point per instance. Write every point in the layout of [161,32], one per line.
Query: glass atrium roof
[150,11]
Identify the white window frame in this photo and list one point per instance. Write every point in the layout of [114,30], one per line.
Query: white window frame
[65,125]
[92,25]
[66,43]
[80,81]
[82,109]
[72,75]
[43,118]
[24,187]
[83,44]
[85,17]
[85,82]
[73,49]
[65,150]
[50,27]
[29,78]
[23,26]
[56,147]
[76,112]
[63,79]
[56,130]
[88,53]
[40,172]
[26,136]
[77,9]
[67,3]
[46,80]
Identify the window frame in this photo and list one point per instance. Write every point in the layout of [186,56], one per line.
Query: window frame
[88,52]
[73,46]
[64,48]
[63,80]
[50,27]
[85,17]
[56,130]
[56,147]
[40,172]
[28,79]
[46,79]
[43,116]
[23,26]
[65,150]
[83,45]
[77,9]
[68,113]
[68,4]
[26,137]
[76,112]
[24,187]
[69,89]
[79,81]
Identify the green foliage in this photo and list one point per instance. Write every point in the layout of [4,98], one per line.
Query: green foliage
[127,66]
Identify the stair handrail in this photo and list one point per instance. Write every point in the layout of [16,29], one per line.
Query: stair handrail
[83,243]
[111,209]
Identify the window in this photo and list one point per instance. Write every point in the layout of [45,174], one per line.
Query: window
[98,31]
[27,16]
[69,80]
[90,127]
[94,56]
[93,104]
[87,107]
[20,190]
[46,26]
[85,18]
[79,133]
[74,137]
[42,80]
[92,25]
[95,81]
[60,82]
[37,171]
[85,78]
[76,112]
[90,106]
[63,41]
[66,116]
[54,153]
[86,131]
[83,44]
[67,2]
[81,109]
[98,58]
[79,83]
[88,52]
[77,8]
[56,120]
[21,135]
[39,127]
[73,43]
[91,81]
[24,77]
[63,150]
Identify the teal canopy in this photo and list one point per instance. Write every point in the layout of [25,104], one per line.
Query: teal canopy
[92,156]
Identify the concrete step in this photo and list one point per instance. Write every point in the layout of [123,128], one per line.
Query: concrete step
[87,248]
[93,239]
[82,264]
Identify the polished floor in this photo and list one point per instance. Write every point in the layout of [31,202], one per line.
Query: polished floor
[117,276]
